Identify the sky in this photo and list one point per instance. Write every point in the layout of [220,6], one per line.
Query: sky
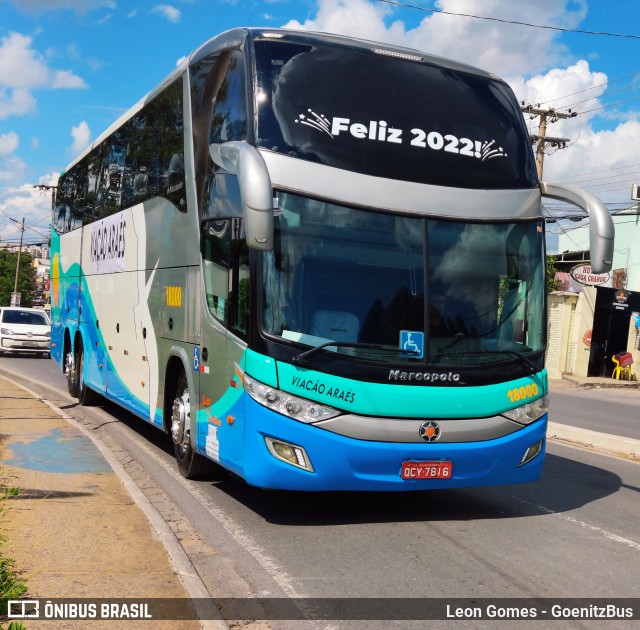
[69,68]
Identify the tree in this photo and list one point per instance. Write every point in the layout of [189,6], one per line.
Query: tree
[552,268]
[26,278]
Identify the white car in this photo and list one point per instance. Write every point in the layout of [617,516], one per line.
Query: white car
[25,330]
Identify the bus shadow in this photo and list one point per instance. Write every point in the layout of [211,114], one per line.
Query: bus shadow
[146,430]
[565,485]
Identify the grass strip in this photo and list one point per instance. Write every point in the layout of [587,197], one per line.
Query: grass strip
[11,586]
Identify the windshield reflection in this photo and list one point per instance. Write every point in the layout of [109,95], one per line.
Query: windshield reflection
[365,278]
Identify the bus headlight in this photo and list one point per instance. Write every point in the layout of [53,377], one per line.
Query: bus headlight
[528,413]
[288,405]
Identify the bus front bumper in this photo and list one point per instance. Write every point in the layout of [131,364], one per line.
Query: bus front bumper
[344,463]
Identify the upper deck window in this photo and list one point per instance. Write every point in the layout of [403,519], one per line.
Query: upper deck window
[390,117]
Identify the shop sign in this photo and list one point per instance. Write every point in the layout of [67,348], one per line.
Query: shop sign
[621,297]
[584,275]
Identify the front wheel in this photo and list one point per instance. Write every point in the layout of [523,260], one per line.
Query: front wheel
[191,464]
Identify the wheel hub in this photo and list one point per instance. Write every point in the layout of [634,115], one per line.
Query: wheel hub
[180,416]
[69,366]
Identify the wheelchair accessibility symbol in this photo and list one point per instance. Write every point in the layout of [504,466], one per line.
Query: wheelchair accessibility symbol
[412,341]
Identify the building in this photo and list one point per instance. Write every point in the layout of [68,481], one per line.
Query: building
[43,274]
[593,317]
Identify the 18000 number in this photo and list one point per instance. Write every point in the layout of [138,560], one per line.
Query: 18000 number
[522,393]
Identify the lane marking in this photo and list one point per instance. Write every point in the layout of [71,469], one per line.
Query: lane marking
[582,524]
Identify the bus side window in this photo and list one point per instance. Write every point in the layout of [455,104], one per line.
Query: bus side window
[225,263]
[219,115]
[229,121]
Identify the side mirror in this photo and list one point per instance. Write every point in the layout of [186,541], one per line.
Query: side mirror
[245,161]
[601,228]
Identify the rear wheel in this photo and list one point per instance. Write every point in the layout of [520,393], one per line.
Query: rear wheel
[191,464]
[71,372]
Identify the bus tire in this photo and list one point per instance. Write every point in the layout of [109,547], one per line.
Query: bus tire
[86,396]
[191,464]
[71,372]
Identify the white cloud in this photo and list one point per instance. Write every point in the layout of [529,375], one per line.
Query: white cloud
[12,169]
[28,202]
[81,135]
[23,70]
[168,12]
[497,47]
[21,67]
[8,143]
[64,79]
[16,103]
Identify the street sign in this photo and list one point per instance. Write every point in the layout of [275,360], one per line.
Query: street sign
[15,299]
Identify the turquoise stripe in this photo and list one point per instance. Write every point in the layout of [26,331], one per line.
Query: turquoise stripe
[403,400]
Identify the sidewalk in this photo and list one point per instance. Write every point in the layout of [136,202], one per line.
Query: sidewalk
[75,531]
[595,382]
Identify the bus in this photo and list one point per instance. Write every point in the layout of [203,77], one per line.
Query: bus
[317,263]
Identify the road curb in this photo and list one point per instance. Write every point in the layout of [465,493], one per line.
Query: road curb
[208,614]
[628,447]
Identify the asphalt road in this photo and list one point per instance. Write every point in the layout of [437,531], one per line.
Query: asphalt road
[604,410]
[576,533]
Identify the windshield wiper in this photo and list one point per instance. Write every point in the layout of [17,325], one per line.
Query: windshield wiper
[519,355]
[353,344]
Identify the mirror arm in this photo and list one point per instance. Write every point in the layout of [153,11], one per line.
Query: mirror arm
[601,228]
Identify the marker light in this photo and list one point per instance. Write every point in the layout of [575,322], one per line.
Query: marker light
[289,453]
[291,406]
[528,413]
[397,55]
[531,452]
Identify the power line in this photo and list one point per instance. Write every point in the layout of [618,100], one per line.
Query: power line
[628,87]
[593,87]
[604,170]
[505,21]
[597,109]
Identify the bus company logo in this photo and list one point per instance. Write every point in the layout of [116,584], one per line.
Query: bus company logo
[381,131]
[107,247]
[429,431]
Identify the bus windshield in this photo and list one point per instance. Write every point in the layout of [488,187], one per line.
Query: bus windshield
[447,292]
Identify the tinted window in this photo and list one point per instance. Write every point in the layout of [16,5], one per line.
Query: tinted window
[219,115]
[140,160]
[225,260]
[391,117]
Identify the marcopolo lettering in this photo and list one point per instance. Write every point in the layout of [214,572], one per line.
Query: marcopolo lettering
[429,377]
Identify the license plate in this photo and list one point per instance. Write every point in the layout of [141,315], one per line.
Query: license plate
[426,470]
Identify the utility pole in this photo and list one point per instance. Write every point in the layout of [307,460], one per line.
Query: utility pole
[15,296]
[546,115]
